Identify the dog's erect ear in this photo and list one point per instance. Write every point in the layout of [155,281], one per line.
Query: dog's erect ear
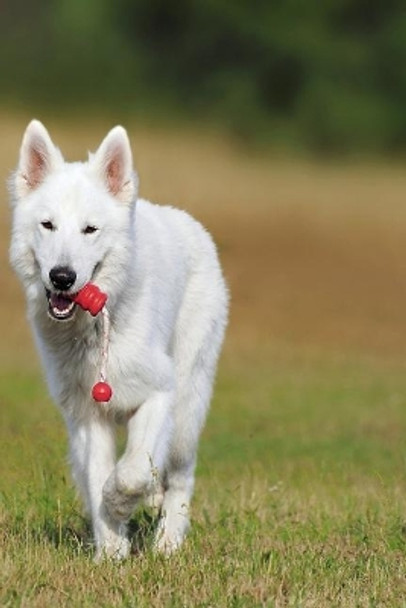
[38,158]
[113,164]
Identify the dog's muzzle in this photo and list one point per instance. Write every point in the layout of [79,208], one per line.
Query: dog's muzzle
[60,305]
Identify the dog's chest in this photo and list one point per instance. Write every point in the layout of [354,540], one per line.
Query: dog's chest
[74,365]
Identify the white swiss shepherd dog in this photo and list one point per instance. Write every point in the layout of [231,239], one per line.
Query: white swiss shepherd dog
[167,302]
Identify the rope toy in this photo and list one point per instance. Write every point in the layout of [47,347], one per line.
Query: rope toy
[93,300]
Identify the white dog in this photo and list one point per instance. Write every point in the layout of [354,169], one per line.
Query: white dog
[167,303]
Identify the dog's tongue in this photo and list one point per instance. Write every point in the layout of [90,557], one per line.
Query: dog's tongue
[60,302]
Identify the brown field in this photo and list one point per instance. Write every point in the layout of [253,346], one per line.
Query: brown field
[315,254]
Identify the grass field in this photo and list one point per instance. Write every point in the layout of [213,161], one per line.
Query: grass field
[301,495]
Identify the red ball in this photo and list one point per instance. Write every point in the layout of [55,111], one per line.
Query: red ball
[102,392]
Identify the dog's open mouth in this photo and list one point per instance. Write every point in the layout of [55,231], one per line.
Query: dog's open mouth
[60,305]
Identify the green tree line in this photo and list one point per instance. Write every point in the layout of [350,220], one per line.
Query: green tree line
[325,76]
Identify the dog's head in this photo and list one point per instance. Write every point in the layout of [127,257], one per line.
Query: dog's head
[72,221]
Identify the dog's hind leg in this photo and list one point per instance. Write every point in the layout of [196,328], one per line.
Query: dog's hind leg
[192,401]
[92,449]
[199,337]
[193,398]
[174,521]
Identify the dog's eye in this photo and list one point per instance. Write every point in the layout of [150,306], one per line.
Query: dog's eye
[89,230]
[48,225]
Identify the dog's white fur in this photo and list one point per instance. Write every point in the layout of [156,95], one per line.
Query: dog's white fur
[168,308]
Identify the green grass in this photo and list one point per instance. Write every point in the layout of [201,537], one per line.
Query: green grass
[300,497]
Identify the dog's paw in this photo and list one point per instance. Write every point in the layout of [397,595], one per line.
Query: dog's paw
[120,501]
[111,539]
[116,551]
[169,538]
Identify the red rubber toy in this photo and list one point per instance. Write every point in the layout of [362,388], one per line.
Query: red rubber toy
[102,392]
[91,298]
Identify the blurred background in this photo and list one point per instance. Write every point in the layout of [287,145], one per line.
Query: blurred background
[280,125]
[326,77]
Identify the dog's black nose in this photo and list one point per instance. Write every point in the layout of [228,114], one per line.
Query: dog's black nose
[62,277]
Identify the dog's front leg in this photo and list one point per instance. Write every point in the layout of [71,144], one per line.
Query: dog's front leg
[138,472]
[92,448]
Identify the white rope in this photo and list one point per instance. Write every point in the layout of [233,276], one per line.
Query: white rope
[105,344]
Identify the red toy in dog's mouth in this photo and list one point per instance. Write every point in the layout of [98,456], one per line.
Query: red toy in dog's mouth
[61,305]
